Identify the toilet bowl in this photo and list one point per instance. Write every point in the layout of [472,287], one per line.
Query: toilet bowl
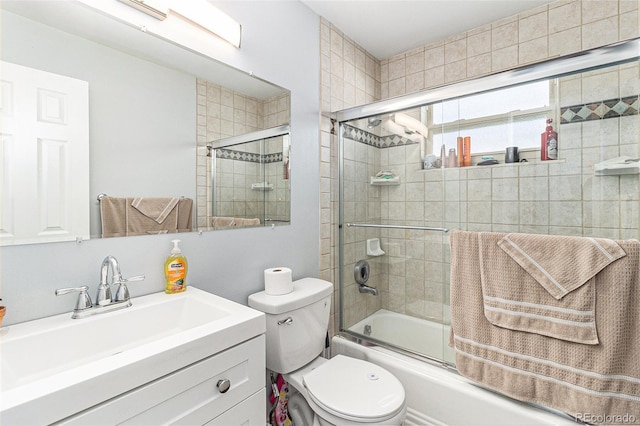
[347,391]
[337,391]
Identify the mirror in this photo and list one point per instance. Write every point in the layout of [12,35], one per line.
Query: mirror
[153,107]
[250,179]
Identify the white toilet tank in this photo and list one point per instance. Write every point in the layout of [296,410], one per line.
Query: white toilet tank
[296,323]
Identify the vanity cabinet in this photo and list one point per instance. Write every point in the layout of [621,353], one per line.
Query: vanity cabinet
[195,395]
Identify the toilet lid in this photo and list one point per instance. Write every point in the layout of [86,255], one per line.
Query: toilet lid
[354,389]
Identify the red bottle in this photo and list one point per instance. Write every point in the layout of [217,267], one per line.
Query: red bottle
[549,143]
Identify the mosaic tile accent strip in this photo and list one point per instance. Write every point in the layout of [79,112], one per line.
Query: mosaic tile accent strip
[272,158]
[230,154]
[611,108]
[360,135]
[367,138]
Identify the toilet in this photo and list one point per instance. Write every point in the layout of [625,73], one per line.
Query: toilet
[337,391]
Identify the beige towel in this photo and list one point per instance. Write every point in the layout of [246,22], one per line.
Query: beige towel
[155,208]
[248,222]
[518,270]
[229,222]
[120,218]
[560,263]
[222,222]
[113,215]
[602,379]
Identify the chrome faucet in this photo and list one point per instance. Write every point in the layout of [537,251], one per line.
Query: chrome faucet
[363,288]
[104,288]
[104,301]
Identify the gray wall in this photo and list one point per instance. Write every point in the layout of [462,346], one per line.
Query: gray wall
[142,116]
[280,44]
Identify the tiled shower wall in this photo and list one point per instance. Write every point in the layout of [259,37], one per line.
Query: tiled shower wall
[222,113]
[239,168]
[546,32]
[561,197]
[235,172]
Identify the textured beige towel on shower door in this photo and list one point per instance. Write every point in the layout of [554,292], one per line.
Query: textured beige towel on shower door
[560,263]
[544,283]
[599,379]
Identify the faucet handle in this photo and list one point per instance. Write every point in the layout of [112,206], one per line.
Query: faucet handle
[122,293]
[84,300]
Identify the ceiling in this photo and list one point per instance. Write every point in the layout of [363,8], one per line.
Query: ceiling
[388,27]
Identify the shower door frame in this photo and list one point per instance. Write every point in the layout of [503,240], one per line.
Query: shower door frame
[610,55]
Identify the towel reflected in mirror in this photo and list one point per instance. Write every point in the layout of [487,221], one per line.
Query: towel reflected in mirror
[125,216]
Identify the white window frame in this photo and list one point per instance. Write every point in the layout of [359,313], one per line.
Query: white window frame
[551,111]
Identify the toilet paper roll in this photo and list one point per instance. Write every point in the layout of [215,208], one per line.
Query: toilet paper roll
[278,281]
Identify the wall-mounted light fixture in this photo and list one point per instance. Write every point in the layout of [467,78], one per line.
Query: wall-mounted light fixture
[411,124]
[199,13]
[156,8]
[210,18]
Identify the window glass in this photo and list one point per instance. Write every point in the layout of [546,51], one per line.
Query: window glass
[513,116]
[519,98]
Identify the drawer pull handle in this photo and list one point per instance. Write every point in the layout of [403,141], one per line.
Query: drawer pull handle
[224,385]
[286,321]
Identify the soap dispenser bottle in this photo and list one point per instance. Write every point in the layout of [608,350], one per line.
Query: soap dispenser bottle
[175,270]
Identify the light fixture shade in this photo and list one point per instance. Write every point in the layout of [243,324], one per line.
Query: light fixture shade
[411,123]
[156,8]
[210,18]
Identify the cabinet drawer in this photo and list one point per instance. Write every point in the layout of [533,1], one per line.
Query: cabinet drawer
[250,412]
[190,392]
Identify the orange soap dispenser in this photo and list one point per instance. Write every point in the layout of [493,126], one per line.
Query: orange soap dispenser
[175,270]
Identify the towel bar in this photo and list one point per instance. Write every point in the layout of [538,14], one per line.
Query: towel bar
[420,228]
[102,195]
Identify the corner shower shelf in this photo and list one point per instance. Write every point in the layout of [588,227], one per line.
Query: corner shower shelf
[385,182]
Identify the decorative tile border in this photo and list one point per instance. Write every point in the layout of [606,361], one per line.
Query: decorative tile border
[272,158]
[250,157]
[362,136]
[611,108]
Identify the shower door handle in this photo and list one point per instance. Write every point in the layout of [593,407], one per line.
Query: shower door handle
[286,321]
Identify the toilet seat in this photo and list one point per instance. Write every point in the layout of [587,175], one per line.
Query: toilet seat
[355,390]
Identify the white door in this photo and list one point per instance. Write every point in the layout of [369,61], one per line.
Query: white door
[44,163]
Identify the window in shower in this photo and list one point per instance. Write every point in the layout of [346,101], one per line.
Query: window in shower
[514,116]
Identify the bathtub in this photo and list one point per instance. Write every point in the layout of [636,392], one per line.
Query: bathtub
[411,334]
[438,396]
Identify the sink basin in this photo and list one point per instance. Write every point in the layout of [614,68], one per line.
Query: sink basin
[53,367]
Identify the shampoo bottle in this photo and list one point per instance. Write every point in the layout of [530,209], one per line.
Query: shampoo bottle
[460,152]
[175,270]
[549,143]
[467,151]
